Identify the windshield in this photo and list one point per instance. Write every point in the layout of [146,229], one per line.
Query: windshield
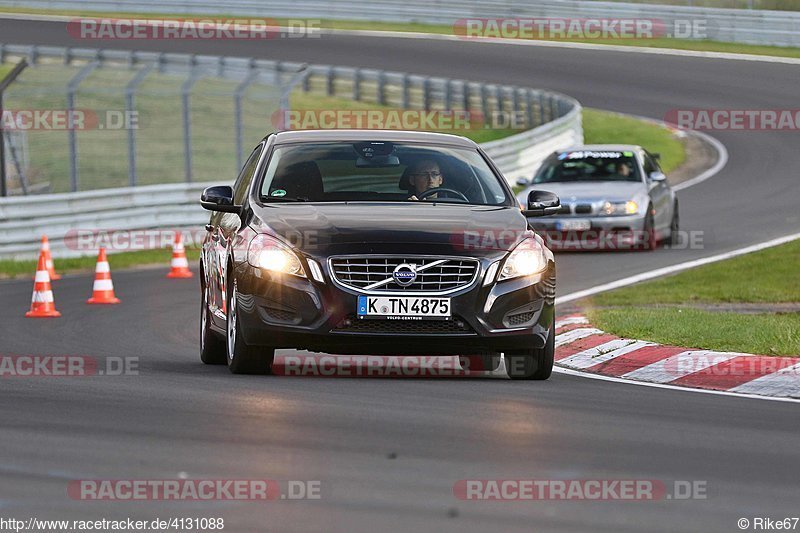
[380,171]
[589,166]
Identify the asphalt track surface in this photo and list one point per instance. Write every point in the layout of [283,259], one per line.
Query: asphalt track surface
[388,451]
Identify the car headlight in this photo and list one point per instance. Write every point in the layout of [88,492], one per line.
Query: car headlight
[270,254]
[620,208]
[526,259]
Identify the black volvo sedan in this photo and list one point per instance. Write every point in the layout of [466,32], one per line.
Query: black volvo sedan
[375,242]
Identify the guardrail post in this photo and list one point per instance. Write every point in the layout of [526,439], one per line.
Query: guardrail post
[4,83]
[307,81]
[331,86]
[130,94]
[529,108]
[448,94]
[72,89]
[406,95]
[357,85]
[485,103]
[465,95]
[380,91]
[542,113]
[426,94]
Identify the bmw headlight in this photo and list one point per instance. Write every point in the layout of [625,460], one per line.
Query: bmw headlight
[270,254]
[619,208]
[526,259]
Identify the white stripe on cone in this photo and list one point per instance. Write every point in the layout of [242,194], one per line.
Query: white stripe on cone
[102,267]
[180,262]
[103,285]
[42,297]
[42,276]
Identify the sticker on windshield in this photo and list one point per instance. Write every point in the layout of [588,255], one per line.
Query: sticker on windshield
[627,154]
[594,155]
[278,192]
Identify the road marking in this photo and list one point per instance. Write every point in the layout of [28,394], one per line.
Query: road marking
[601,377]
[571,320]
[781,383]
[486,40]
[680,365]
[575,334]
[644,276]
[605,352]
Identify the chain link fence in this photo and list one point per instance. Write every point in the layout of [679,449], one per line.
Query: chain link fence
[85,121]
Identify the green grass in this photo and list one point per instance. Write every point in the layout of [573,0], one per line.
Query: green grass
[761,334]
[123,260]
[669,310]
[447,29]
[767,276]
[5,68]
[603,127]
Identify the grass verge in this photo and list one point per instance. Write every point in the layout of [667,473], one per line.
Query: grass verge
[447,29]
[672,310]
[122,260]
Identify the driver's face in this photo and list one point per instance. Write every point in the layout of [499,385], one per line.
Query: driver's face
[426,176]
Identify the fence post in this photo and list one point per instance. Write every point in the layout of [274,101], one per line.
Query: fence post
[406,95]
[357,85]
[72,88]
[4,83]
[187,120]
[426,94]
[237,110]
[130,94]
[331,87]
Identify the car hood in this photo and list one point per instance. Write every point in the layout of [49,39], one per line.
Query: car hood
[591,191]
[364,227]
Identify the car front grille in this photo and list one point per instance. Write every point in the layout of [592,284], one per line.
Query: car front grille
[455,326]
[361,273]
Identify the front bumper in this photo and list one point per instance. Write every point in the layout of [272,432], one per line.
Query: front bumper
[283,311]
[605,233]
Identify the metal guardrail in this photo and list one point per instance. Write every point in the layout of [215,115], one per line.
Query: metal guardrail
[555,121]
[777,28]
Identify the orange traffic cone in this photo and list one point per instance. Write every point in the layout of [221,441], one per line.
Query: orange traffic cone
[42,304]
[49,259]
[103,290]
[179,268]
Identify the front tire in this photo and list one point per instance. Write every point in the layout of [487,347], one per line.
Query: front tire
[212,348]
[675,226]
[244,358]
[535,363]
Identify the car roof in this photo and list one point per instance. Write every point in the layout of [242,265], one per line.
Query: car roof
[602,147]
[372,135]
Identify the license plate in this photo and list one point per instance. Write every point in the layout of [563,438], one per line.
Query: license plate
[574,225]
[403,307]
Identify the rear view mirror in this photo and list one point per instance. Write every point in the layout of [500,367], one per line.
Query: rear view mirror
[542,203]
[219,198]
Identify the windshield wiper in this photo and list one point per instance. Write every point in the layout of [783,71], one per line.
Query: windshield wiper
[284,199]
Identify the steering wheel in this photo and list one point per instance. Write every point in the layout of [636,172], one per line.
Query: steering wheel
[431,192]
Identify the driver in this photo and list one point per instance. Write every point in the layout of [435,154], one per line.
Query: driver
[423,176]
[624,170]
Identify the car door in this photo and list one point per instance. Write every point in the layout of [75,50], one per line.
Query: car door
[659,192]
[223,228]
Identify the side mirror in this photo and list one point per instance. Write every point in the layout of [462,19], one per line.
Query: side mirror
[542,203]
[219,198]
[657,176]
[522,182]
[656,156]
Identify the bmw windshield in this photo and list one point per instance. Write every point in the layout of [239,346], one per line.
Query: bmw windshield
[380,171]
[582,166]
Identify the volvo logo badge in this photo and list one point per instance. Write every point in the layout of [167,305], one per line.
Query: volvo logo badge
[404,274]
